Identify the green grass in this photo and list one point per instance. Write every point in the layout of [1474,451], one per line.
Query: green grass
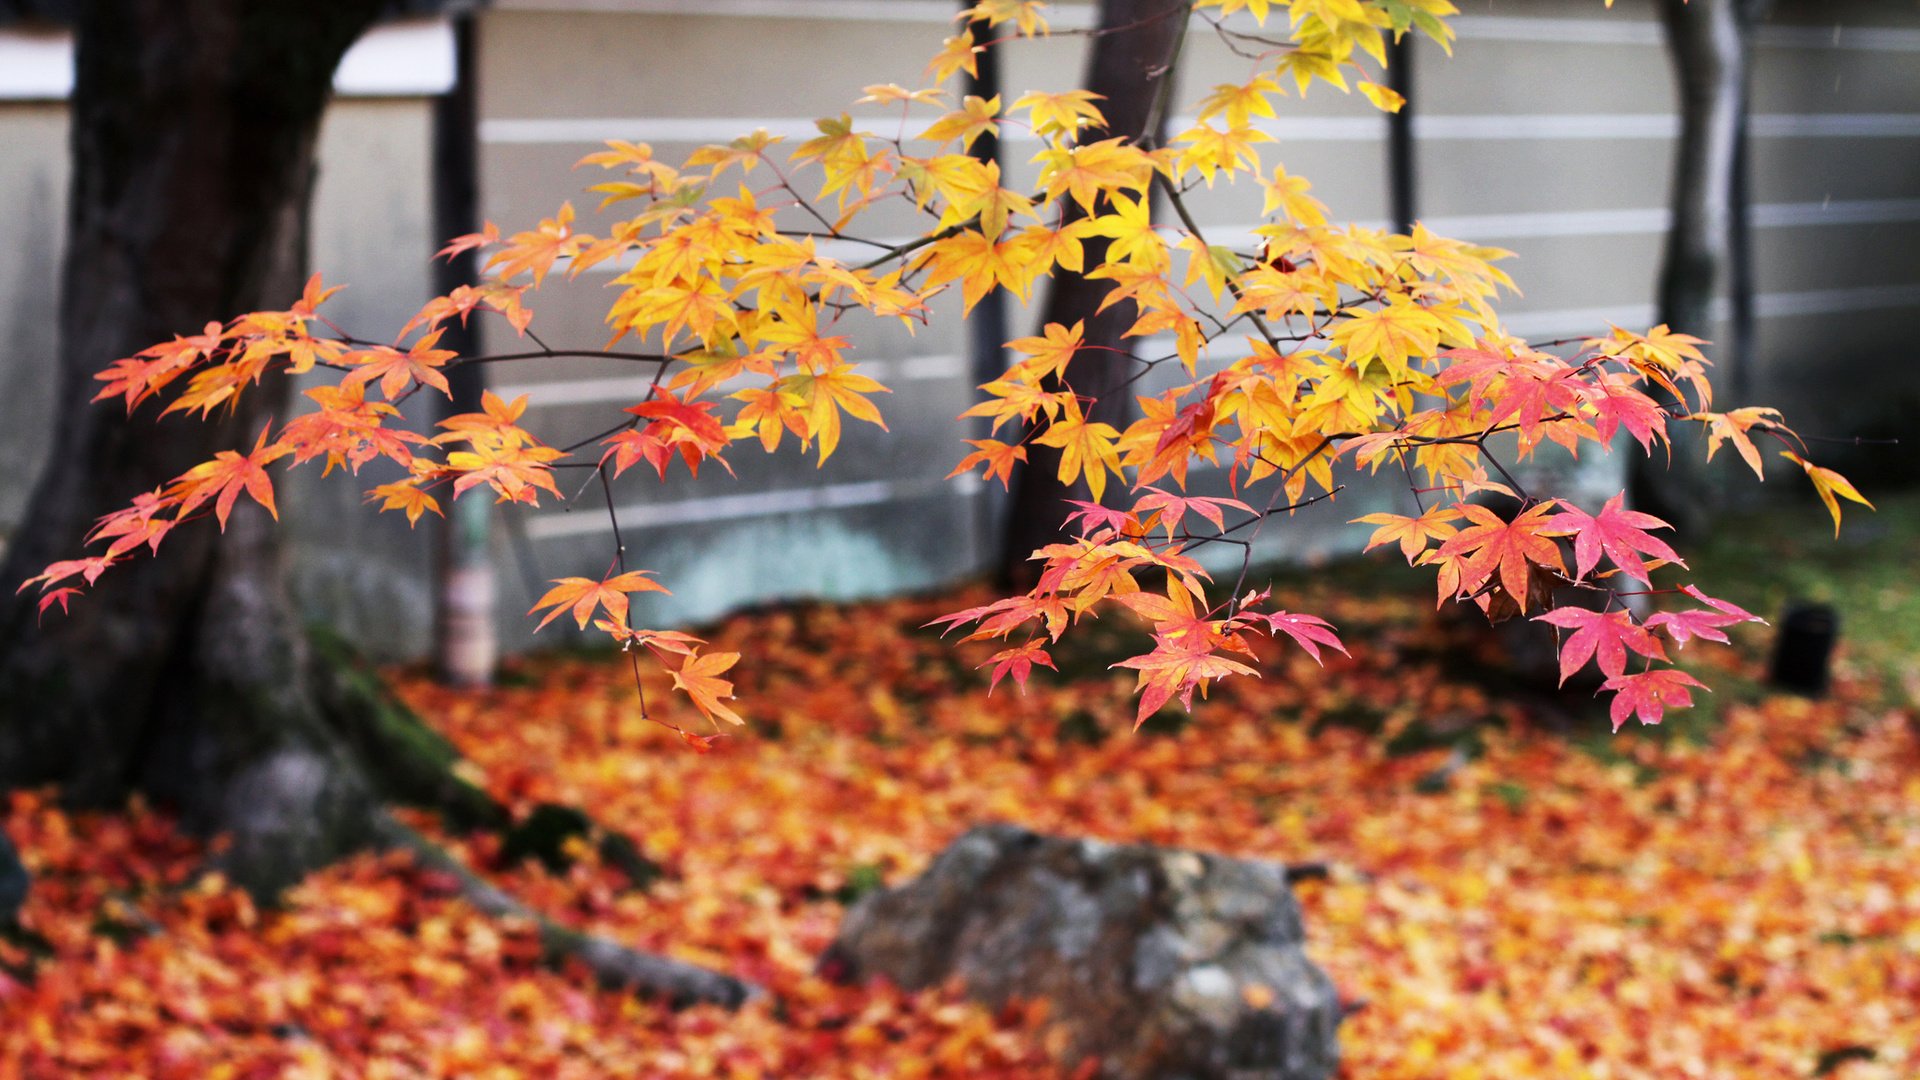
[1764,561]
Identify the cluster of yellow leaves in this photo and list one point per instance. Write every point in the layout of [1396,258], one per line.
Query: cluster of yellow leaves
[1328,343]
[1744,906]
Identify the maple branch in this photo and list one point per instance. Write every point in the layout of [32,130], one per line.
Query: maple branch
[802,202]
[1519,489]
[545,353]
[1845,440]
[805,233]
[1233,286]
[916,244]
[1097,31]
[589,440]
[620,556]
[1260,522]
[1413,486]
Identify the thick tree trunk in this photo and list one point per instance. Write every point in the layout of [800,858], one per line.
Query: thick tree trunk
[194,127]
[1130,60]
[1709,44]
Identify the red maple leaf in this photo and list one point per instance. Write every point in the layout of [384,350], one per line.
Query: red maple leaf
[1601,636]
[1708,624]
[1649,694]
[1618,403]
[1018,662]
[1000,618]
[1172,508]
[1307,631]
[1617,531]
[1094,517]
[686,426]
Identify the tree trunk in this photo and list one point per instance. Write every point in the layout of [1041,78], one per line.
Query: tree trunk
[189,678]
[1709,43]
[1131,58]
[193,132]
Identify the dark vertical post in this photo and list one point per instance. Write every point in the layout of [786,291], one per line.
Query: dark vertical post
[1803,652]
[1400,159]
[465,644]
[987,325]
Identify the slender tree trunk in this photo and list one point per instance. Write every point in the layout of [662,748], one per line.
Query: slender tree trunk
[1129,61]
[1709,43]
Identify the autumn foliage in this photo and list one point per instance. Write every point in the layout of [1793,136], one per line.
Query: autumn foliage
[1329,347]
[1650,907]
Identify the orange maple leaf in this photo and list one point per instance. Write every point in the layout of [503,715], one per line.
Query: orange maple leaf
[699,678]
[226,476]
[582,596]
[1412,533]
[996,455]
[395,369]
[1509,548]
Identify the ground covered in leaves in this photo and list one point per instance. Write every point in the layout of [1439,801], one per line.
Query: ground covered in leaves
[1513,893]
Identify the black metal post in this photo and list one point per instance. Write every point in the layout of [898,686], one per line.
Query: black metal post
[1400,150]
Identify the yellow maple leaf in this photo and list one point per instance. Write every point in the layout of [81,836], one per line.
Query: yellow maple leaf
[1084,447]
[1828,484]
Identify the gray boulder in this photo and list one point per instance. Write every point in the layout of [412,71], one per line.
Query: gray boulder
[1160,962]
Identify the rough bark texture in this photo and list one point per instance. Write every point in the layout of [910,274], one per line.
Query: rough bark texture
[1129,61]
[193,138]
[1161,963]
[1710,45]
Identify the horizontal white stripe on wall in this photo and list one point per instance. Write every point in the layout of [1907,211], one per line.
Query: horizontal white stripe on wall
[722,129]
[1605,31]
[901,11]
[1564,321]
[35,66]
[1465,127]
[1579,31]
[1545,126]
[414,58]
[1627,222]
[632,388]
[588,521]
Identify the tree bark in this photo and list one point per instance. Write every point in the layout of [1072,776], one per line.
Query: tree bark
[1132,53]
[1709,42]
[193,133]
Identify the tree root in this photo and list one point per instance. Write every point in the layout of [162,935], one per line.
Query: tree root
[678,983]
[411,764]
